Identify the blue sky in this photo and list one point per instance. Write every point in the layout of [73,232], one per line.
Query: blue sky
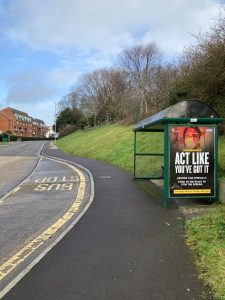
[45,45]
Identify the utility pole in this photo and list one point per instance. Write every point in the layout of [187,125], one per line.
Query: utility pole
[55,122]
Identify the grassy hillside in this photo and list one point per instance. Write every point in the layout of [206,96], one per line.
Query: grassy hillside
[114,144]
[109,143]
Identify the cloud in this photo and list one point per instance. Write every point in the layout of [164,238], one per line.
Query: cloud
[62,25]
[63,77]
[66,38]
[29,86]
[36,85]
[184,19]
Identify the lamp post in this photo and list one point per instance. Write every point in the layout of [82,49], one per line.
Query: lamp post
[55,122]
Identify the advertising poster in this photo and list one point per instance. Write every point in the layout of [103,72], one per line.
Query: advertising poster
[192,161]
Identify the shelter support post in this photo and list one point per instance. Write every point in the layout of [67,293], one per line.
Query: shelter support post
[135,140]
[216,164]
[166,165]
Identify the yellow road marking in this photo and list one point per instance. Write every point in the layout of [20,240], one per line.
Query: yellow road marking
[17,189]
[20,256]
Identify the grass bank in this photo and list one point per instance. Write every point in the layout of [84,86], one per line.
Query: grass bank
[205,234]
[206,237]
[114,144]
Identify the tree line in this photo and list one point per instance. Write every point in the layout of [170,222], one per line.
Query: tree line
[141,83]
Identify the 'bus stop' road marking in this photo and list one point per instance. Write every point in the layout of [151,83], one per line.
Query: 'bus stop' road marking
[20,256]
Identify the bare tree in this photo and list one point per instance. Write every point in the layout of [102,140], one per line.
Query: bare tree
[140,64]
[102,94]
[88,90]
[165,78]
[69,101]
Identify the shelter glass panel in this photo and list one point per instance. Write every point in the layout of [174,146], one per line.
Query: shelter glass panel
[149,166]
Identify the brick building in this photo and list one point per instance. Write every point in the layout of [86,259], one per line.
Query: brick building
[39,128]
[21,124]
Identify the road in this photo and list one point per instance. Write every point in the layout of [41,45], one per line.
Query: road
[39,210]
[17,160]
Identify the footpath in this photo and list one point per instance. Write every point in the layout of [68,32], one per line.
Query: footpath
[126,246]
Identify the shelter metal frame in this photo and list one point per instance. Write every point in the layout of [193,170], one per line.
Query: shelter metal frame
[153,124]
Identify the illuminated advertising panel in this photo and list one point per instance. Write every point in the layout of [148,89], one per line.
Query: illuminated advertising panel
[191,155]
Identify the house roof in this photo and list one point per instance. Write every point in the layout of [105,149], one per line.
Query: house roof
[19,112]
[39,121]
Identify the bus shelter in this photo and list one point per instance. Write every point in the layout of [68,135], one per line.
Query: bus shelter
[190,155]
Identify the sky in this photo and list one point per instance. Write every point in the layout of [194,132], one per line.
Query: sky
[45,45]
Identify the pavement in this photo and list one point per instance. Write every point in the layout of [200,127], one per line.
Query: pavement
[126,246]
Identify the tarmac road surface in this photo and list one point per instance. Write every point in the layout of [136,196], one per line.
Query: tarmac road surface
[38,212]
[17,160]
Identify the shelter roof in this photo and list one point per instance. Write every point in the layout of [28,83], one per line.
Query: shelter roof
[183,111]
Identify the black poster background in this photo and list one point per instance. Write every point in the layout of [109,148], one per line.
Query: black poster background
[188,177]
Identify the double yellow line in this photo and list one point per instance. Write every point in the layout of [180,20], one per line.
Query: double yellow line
[24,253]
